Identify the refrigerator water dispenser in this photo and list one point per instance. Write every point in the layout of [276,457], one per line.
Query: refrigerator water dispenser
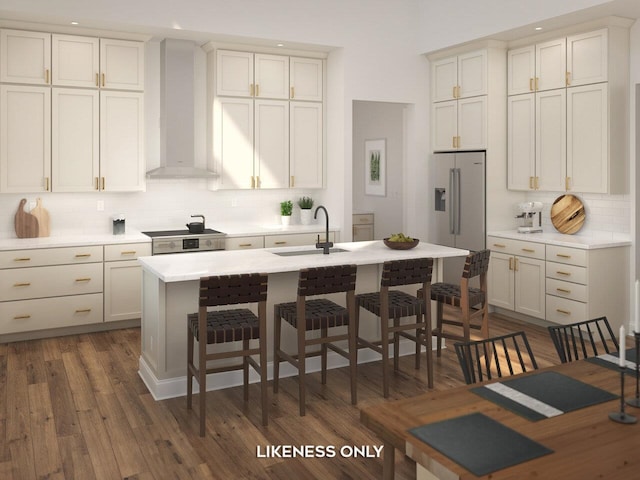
[440,199]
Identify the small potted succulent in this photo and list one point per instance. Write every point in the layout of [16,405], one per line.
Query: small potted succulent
[305,204]
[286,208]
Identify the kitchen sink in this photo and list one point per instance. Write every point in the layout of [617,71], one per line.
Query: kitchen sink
[315,251]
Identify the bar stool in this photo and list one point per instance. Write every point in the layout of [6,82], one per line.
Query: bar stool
[396,304]
[318,314]
[464,298]
[231,325]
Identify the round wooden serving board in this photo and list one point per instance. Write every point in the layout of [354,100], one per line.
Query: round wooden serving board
[567,214]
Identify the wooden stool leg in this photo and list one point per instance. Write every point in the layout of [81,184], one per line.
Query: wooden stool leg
[323,348]
[301,366]
[190,341]
[418,345]
[428,343]
[202,381]
[439,327]
[262,342]
[245,370]
[384,328]
[277,327]
[353,351]
[396,344]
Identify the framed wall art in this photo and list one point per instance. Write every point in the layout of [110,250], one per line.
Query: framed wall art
[375,167]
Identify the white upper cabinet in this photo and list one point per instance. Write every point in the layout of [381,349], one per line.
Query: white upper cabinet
[25,57]
[121,64]
[271,157]
[233,142]
[460,124]
[587,58]
[234,73]
[551,65]
[521,141]
[462,76]
[306,145]
[75,60]
[551,135]
[521,70]
[271,76]
[306,79]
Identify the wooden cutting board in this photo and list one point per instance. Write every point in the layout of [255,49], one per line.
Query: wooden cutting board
[567,214]
[42,215]
[25,223]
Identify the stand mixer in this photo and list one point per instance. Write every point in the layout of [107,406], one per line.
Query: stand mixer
[528,211]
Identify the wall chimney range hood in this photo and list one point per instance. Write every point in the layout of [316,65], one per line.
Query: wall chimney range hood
[177,97]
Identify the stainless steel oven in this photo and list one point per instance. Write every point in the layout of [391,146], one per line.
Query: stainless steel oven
[183,241]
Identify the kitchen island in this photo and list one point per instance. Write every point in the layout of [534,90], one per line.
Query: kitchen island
[170,292]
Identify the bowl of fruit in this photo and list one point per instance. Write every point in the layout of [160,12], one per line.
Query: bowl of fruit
[399,241]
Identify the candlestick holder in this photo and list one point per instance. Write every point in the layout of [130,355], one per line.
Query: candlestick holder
[621,416]
[635,401]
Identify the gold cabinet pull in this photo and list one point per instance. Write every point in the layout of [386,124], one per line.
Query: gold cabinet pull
[245,245]
[293,92]
[281,243]
[128,252]
[458,142]
[97,79]
[46,76]
[535,183]
[22,317]
[499,245]
[568,78]
[97,183]
[453,142]
[515,264]
[46,184]
[510,263]
[83,255]
[528,250]
[258,181]
[104,182]
[251,90]
[531,84]
[454,92]
[537,79]
[563,273]
[83,310]
[257,90]
[293,181]
[563,255]
[253,182]
[563,290]
[103,79]
[22,259]
[22,284]
[564,312]
[84,279]
[531,183]
[567,180]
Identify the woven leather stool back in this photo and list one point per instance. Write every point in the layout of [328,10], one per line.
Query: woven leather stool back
[232,289]
[323,280]
[406,272]
[476,264]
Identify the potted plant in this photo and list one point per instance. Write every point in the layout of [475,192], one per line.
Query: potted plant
[286,208]
[305,204]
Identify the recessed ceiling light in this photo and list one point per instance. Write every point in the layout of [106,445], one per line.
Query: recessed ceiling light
[280,45]
[74,23]
[538,28]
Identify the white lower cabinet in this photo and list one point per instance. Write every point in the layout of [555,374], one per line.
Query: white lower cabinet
[244,243]
[363,227]
[295,239]
[123,281]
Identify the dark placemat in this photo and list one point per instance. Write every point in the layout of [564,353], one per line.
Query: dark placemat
[546,394]
[479,443]
[610,360]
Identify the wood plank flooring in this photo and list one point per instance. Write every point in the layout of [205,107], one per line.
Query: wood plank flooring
[75,408]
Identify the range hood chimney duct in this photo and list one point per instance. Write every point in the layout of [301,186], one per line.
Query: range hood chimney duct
[177,96]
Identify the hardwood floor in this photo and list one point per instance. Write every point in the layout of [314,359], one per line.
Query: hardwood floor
[75,408]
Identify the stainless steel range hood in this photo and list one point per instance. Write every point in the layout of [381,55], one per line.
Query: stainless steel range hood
[177,96]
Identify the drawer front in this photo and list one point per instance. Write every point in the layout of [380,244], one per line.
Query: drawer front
[39,257]
[43,313]
[40,282]
[244,243]
[126,251]
[362,218]
[293,240]
[572,291]
[569,273]
[516,247]
[570,256]
[565,311]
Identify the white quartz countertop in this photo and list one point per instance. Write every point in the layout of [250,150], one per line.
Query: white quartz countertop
[72,239]
[192,266]
[246,230]
[585,242]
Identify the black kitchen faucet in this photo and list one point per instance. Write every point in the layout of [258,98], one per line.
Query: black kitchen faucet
[326,245]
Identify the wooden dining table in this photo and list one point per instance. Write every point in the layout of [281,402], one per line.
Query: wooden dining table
[585,443]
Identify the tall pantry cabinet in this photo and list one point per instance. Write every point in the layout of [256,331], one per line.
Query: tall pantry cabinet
[83,98]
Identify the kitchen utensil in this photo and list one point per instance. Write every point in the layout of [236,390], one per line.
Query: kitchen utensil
[196,227]
[26,224]
[401,245]
[567,214]
[42,215]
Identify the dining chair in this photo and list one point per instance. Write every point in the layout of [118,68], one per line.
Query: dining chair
[221,326]
[313,314]
[470,304]
[395,304]
[495,357]
[585,339]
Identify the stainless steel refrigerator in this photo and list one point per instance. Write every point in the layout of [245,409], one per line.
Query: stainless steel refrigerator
[459,205]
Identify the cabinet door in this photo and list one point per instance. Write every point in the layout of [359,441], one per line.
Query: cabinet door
[25,139]
[551,65]
[501,281]
[306,79]
[445,125]
[444,78]
[271,76]
[234,73]
[25,57]
[122,290]
[587,138]
[75,61]
[122,141]
[472,123]
[587,58]
[521,70]
[521,144]
[551,136]
[121,64]
[362,233]
[306,145]
[244,243]
[472,74]
[75,160]
[529,286]
[271,156]
[233,142]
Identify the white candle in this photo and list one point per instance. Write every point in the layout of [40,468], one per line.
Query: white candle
[636,327]
[622,347]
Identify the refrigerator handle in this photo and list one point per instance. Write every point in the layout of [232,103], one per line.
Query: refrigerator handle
[452,201]
[458,201]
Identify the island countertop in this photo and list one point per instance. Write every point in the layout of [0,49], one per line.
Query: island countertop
[192,266]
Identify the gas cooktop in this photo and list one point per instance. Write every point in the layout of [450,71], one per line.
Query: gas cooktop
[179,233]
